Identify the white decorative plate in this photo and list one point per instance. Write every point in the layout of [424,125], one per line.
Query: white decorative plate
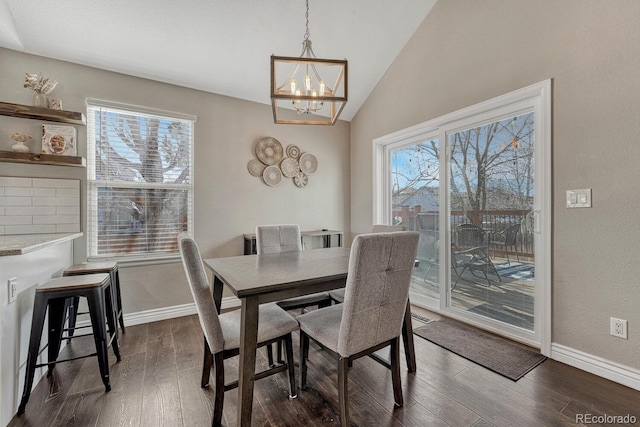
[300,180]
[308,163]
[59,140]
[293,151]
[269,151]
[272,176]
[256,167]
[289,167]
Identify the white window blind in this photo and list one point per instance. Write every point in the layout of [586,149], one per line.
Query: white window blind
[140,182]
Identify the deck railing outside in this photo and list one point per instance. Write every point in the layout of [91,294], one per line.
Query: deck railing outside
[492,221]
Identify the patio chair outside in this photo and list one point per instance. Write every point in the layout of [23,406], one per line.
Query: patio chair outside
[470,254]
[507,240]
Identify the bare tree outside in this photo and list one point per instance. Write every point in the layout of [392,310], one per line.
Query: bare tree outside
[144,163]
[491,168]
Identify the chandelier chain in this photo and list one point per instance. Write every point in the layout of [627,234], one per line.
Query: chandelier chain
[306,15]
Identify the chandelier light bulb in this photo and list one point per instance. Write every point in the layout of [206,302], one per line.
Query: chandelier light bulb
[293,87]
[307,82]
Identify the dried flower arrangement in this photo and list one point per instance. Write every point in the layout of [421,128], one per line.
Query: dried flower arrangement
[19,137]
[39,84]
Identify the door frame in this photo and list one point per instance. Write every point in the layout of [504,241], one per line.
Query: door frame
[537,98]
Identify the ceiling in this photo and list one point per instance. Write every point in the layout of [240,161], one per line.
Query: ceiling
[219,46]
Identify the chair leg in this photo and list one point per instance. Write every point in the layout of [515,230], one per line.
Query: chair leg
[459,276]
[57,309]
[288,344]
[112,323]
[270,355]
[343,392]
[73,314]
[395,372]
[118,302]
[207,361]
[279,345]
[304,355]
[97,313]
[219,390]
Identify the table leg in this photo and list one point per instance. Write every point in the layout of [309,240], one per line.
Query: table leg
[247,367]
[407,339]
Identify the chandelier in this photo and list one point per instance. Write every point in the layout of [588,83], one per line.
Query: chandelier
[307,96]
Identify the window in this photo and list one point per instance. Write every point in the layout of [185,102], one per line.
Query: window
[140,180]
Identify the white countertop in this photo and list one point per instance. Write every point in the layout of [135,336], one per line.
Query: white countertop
[23,243]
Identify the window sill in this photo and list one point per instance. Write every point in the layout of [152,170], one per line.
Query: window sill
[140,261]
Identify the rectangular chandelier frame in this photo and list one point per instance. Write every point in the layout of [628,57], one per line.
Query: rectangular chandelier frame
[279,97]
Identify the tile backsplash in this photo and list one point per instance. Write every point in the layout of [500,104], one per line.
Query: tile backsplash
[39,205]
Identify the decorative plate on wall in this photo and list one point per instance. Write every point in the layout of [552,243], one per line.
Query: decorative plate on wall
[269,150]
[59,140]
[308,163]
[290,167]
[293,151]
[256,167]
[300,180]
[272,176]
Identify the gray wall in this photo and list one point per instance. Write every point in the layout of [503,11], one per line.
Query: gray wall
[470,51]
[228,201]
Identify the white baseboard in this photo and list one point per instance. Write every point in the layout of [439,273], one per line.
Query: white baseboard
[596,365]
[164,313]
[157,314]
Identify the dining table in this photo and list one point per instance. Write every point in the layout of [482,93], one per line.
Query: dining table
[265,278]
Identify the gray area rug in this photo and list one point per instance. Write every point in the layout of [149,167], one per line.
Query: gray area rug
[507,358]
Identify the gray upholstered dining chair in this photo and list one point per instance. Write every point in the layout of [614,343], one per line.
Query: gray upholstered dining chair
[286,238]
[371,316]
[222,331]
[273,239]
[337,295]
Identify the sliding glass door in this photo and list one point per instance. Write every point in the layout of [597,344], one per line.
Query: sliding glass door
[491,199]
[474,185]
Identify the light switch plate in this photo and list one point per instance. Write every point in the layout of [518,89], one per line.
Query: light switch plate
[13,289]
[579,198]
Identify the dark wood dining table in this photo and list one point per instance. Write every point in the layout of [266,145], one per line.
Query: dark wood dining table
[259,279]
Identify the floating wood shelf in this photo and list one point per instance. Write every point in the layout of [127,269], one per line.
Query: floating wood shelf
[39,113]
[42,159]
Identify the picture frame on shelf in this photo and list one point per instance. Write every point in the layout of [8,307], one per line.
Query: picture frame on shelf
[59,140]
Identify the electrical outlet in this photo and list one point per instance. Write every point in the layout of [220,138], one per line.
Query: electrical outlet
[13,289]
[618,327]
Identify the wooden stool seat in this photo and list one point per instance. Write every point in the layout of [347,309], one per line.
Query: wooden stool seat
[55,296]
[109,267]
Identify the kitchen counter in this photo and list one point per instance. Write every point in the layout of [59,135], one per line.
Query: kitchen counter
[20,244]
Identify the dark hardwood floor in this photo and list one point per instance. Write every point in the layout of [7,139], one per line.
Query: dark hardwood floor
[157,384]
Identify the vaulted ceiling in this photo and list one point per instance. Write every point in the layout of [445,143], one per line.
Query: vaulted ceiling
[219,46]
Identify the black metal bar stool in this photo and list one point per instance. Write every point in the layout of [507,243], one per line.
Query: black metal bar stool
[55,295]
[109,267]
